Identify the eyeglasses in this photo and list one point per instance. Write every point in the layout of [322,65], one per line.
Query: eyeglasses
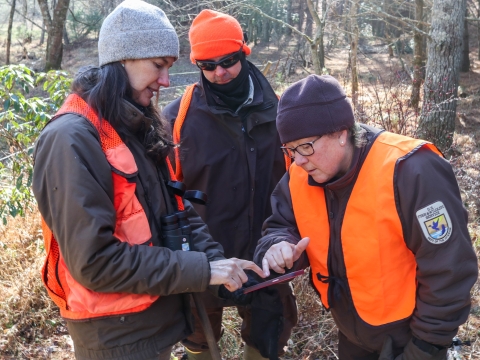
[305,149]
[225,63]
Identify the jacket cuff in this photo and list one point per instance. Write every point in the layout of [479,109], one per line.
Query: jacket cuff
[418,349]
[426,346]
[195,275]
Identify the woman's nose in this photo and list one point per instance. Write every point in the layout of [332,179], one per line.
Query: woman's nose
[164,79]
[300,159]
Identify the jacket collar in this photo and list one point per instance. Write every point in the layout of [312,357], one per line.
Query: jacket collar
[135,120]
[216,105]
[359,155]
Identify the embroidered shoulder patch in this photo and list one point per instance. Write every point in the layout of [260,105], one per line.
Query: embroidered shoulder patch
[435,223]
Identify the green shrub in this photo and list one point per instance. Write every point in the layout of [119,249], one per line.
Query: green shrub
[28,101]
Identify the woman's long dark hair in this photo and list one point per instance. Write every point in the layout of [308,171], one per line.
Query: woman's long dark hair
[105,89]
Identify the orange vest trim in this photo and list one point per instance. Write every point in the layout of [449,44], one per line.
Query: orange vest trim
[381,270]
[177,129]
[74,300]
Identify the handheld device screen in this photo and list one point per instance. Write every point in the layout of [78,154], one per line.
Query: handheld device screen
[277,280]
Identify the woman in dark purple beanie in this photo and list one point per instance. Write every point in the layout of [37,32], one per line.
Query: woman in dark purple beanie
[382,222]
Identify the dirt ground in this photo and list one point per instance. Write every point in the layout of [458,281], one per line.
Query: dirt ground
[312,339]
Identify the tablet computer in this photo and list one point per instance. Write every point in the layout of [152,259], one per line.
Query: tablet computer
[277,280]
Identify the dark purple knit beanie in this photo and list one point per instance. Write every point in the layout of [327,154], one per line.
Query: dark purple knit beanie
[313,106]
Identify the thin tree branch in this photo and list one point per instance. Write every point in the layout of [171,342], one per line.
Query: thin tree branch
[401,20]
[294,29]
[26,18]
[81,22]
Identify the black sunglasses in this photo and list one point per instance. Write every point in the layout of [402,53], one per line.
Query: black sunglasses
[225,63]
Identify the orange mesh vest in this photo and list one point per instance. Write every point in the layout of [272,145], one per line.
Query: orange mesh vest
[74,300]
[380,268]
[177,128]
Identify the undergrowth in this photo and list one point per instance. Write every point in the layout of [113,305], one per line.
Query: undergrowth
[30,325]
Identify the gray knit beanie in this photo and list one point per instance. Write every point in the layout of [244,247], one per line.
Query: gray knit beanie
[136,30]
[313,106]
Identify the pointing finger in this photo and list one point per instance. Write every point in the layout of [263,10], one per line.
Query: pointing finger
[300,248]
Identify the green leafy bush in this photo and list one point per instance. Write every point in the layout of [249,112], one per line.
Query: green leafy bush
[28,101]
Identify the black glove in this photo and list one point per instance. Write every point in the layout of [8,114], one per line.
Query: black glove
[267,321]
[415,349]
[237,296]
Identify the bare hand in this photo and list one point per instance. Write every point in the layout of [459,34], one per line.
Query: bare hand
[229,272]
[283,255]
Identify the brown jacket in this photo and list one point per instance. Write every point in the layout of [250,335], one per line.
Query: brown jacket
[445,272]
[72,183]
[235,159]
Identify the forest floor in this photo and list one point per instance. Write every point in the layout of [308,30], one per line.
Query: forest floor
[34,329]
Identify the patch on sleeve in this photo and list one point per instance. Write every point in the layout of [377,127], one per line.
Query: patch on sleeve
[435,223]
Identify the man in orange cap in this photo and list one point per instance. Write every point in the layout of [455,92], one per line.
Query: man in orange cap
[230,149]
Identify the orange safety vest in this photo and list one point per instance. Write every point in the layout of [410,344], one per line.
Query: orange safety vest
[74,300]
[177,128]
[380,269]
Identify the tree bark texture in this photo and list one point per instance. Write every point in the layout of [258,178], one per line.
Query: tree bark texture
[353,50]
[478,29]
[289,20]
[9,33]
[301,16]
[465,67]
[55,25]
[316,45]
[418,57]
[437,122]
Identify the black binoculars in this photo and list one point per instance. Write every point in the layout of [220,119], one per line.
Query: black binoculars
[176,231]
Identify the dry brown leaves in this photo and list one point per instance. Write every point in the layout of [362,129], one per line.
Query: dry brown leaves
[30,326]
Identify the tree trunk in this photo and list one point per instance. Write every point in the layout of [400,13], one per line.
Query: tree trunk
[309,24]
[317,48]
[465,67]
[346,21]
[301,16]
[266,32]
[55,25]
[478,30]
[9,32]
[353,51]
[250,28]
[287,30]
[24,11]
[418,57]
[42,36]
[437,122]
[321,45]
[66,40]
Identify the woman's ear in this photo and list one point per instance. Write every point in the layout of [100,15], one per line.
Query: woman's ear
[342,137]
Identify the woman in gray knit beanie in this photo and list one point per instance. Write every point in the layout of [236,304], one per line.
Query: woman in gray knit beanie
[117,262]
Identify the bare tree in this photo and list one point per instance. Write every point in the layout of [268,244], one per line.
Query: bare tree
[465,66]
[55,25]
[9,32]
[353,50]
[478,30]
[418,56]
[437,122]
[316,44]
[313,41]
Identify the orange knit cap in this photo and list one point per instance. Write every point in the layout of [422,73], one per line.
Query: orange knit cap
[215,34]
